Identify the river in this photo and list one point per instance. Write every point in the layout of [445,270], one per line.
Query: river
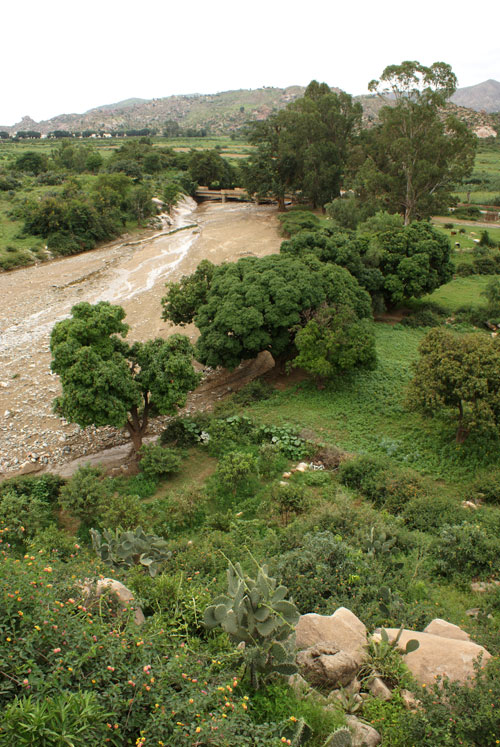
[131,273]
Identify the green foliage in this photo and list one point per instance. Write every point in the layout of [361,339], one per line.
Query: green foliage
[340,738]
[124,549]
[84,492]
[23,516]
[234,471]
[183,431]
[486,488]
[158,461]
[386,486]
[294,221]
[256,612]
[255,391]
[271,460]
[124,511]
[45,487]
[107,382]
[289,499]
[334,341]
[460,372]
[466,550]
[185,296]
[71,718]
[429,513]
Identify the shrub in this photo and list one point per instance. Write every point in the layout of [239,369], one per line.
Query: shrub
[227,434]
[467,550]
[53,542]
[84,492]
[486,488]
[72,718]
[484,266]
[431,512]
[125,511]
[255,391]
[449,226]
[24,516]
[125,549]
[287,439]
[422,318]
[44,487]
[271,460]
[464,269]
[289,499]
[294,221]
[158,461]
[361,471]
[140,485]
[235,469]
[184,431]
[184,509]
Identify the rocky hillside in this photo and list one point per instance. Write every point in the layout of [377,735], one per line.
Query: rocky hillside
[226,112]
[481,97]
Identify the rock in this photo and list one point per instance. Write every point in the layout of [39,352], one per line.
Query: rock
[353,687]
[298,684]
[302,467]
[438,656]
[409,700]
[363,735]
[469,504]
[446,630]
[342,629]
[482,586]
[379,689]
[323,664]
[123,595]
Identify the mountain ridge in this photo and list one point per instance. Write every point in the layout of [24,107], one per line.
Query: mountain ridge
[228,111]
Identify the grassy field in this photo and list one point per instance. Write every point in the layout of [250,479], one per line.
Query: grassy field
[460,292]
[366,413]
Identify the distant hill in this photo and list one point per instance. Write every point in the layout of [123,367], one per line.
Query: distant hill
[481,97]
[226,112]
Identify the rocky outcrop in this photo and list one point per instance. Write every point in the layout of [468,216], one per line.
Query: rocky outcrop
[342,630]
[95,589]
[363,735]
[325,666]
[445,629]
[437,656]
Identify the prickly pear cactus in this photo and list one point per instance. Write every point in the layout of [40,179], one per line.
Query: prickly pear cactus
[125,549]
[255,611]
[340,738]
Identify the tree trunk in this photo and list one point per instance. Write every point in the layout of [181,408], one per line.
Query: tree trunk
[137,428]
[281,203]
[462,432]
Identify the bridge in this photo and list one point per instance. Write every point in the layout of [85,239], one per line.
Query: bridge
[238,194]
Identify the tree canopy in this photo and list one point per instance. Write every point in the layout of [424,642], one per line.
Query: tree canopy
[303,147]
[256,304]
[392,262]
[417,151]
[461,373]
[107,382]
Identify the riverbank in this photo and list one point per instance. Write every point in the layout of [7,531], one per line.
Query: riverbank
[130,274]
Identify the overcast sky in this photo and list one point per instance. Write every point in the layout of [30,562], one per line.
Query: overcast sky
[61,57]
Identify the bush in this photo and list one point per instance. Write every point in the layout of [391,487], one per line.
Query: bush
[44,487]
[158,461]
[23,516]
[464,270]
[255,391]
[466,550]
[429,513]
[184,509]
[271,460]
[360,472]
[294,221]
[484,266]
[486,488]
[184,431]
[85,492]
[422,318]
[289,500]
[53,542]
[124,511]
[235,470]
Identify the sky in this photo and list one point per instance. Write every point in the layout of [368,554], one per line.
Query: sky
[61,57]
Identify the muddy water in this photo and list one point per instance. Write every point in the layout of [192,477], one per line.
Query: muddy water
[130,274]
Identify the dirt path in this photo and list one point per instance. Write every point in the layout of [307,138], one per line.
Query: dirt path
[132,275]
[462,222]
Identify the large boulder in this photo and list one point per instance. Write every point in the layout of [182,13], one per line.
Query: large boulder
[324,665]
[343,630]
[439,657]
[363,735]
[445,629]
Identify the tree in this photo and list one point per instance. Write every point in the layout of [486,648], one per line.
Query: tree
[31,162]
[304,147]
[393,263]
[334,341]
[85,492]
[257,304]
[461,372]
[417,151]
[107,382]
[208,167]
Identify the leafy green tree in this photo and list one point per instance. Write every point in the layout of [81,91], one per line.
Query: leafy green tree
[234,469]
[256,304]
[32,162]
[188,294]
[107,382]
[417,152]
[334,341]
[208,167]
[462,373]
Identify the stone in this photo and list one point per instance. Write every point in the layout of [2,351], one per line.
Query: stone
[379,689]
[363,735]
[438,657]
[302,467]
[483,586]
[409,700]
[298,684]
[123,595]
[446,630]
[469,504]
[323,664]
[342,629]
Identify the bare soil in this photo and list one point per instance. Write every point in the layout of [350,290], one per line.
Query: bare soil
[131,274]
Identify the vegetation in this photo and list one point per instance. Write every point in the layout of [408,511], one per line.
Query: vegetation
[107,382]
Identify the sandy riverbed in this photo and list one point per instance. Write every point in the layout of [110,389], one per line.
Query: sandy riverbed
[131,275]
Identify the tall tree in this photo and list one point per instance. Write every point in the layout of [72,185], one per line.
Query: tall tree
[417,151]
[105,381]
[304,147]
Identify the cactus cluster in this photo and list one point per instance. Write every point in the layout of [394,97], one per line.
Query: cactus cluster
[255,612]
[340,738]
[124,549]
[378,542]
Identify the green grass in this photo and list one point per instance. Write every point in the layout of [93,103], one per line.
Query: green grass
[366,413]
[466,239]
[460,292]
